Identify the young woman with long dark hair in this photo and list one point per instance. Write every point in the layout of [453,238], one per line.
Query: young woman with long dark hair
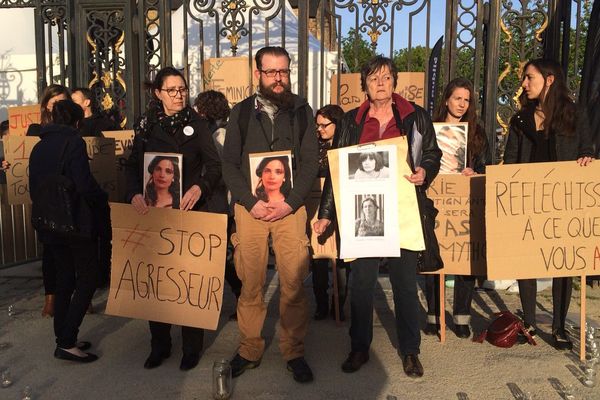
[547,128]
[458,105]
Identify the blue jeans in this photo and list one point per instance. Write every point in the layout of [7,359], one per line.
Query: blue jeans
[403,277]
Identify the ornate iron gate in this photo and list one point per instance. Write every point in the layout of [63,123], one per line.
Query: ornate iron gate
[112,46]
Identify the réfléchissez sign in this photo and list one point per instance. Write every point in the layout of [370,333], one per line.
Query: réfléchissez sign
[460,223]
[543,220]
[168,265]
[17,150]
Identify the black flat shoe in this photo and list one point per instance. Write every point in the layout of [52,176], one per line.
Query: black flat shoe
[431,329]
[462,331]
[83,346]
[355,360]
[65,355]
[320,314]
[412,366]
[155,359]
[189,361]
[561,340]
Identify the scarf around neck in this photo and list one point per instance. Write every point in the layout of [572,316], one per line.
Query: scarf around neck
[169,123]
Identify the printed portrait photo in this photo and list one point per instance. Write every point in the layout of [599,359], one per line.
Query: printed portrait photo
[452,140]
[368,165]
[369,219]
[162,179]
[271,175]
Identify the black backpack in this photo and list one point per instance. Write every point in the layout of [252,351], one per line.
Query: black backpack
[58,209]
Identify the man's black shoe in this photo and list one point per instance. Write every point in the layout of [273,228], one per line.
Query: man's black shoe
[189,361]
[412,366]
[299,367]
[462,331]
[354,361]
[431,329]
[239,364]
[156,358]
[561,340]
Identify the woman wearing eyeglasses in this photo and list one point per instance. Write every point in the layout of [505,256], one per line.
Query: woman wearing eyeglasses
[170,125]
[326,120]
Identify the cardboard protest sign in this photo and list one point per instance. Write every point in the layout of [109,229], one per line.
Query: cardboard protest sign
[542,220]
[409,220]
[101,152]
[19,118]
[460,223]
[168,265]
[411,86]
[323,246]
[123,146]
[230,76]
[17,150]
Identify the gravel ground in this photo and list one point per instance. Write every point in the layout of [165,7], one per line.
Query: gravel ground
[457,369]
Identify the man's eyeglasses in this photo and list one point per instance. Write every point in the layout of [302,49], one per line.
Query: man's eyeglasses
[323,126]
[173,92]
[271,73]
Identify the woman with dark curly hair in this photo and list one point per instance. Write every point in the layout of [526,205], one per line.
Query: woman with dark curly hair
[162,189]
[275,179]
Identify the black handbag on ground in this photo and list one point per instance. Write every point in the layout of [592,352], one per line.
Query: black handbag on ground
[58,209]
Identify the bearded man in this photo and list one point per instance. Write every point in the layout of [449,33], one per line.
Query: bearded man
[274,119]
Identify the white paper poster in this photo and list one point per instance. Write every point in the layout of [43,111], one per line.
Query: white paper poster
[369,197]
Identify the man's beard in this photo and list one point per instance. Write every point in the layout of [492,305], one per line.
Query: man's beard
[284,100]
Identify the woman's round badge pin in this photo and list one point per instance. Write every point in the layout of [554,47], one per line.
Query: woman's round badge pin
[188,131]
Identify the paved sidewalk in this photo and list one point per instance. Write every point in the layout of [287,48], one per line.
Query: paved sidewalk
[458,369]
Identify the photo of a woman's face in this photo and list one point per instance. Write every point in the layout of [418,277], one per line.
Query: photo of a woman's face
[369,210]
[163,174]
[369,163]
[273,175]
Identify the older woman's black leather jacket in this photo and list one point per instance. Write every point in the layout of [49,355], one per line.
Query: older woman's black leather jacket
[423,148]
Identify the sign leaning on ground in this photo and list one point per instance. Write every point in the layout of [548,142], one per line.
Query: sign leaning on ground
[168,265]
[411,86]
[460,223]
[543,220]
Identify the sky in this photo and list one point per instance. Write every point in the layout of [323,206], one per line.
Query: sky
[401,24]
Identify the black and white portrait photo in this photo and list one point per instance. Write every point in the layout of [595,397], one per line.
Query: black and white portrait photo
[369,215]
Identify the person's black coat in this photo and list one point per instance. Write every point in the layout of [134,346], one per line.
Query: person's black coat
[348,133]
[96,124]
[521,138]
[201,163]
[44,161]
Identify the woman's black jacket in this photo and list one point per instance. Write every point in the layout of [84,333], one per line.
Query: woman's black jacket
[521,139]
[201,163]
[422,147]
[44,161]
